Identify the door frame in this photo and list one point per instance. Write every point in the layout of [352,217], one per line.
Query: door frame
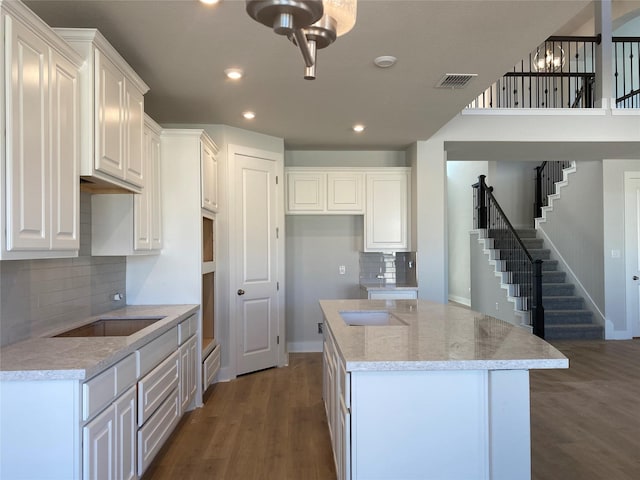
[633,325]
[278,158]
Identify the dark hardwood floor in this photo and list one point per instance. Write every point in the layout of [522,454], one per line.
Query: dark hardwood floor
[585,422]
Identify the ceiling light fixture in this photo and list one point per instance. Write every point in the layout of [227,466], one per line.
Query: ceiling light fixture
[209,2]
[233,73]
[249,115]
[385,61]
[309,24]
[358,128]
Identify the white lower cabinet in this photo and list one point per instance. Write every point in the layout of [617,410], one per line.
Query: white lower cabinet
[188,372]
[109,441]
[153,434]
[99,449]
[210,367]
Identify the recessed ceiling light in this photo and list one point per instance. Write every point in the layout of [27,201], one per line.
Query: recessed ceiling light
[249,115]
[385,61]
[210,2]
[233,73]
[358,128]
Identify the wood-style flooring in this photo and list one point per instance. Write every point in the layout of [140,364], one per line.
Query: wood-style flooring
[585,422]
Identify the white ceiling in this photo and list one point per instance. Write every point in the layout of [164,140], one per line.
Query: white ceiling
[181,48]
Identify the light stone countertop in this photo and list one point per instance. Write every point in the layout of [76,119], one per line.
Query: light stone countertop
[435,337]
[68,358]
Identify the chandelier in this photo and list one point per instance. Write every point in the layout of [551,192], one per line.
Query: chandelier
[310,24]
[549,59]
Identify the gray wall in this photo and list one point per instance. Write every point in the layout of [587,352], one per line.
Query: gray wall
[37,296]
[487,294]
[460,177]
[514,189]
[316,246]
[617,325]
[574,229]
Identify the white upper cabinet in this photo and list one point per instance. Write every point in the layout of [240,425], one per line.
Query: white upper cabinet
[324,191]
[387,214]
[39,178]
[209,174]
[131,224]
[112,115]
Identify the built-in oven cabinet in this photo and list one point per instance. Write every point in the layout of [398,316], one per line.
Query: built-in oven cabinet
[39,175]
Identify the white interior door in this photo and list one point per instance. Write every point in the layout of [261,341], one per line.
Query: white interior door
[256,263]
[632,250]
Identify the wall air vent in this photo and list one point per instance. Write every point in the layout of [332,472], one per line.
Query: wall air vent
[455,80]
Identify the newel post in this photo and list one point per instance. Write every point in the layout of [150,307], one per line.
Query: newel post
[537,311]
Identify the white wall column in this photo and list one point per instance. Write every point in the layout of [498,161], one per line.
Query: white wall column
[604,55]
[431,217]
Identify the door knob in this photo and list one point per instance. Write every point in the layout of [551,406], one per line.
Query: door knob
[240,292]
[635,277]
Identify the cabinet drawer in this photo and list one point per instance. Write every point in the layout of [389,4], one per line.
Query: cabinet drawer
[102,389]
[156,386]
[157,350]
[155,432]
[211,366]
[187,328]
[344,381]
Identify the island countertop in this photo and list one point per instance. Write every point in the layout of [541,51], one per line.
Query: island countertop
[433,336]
[62,358]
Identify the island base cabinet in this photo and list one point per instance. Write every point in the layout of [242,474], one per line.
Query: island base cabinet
[440,424]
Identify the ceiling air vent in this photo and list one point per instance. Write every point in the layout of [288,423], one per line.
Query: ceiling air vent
[455,80]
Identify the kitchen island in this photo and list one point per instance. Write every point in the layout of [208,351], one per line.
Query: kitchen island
[420,390]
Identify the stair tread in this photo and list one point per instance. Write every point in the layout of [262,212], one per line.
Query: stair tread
[561,310]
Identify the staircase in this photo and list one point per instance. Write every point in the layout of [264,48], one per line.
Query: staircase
[564,312]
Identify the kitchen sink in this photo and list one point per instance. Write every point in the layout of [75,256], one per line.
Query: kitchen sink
[371,318]
[111,327]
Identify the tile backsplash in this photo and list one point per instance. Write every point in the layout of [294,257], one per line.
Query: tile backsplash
[398,267]
[41,295]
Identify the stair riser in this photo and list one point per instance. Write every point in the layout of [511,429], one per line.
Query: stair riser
[570,318]
[551,303]
[587,333]
[542,254]
[563,290]
[527,242]
[548,266]
[547,277]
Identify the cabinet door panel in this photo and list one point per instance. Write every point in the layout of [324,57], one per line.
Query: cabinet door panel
[134,137]
[345,192]
[209,179]
[126,428]
[154,185]
[65,160]
[27,159]
[141,204]
[387,217]
[109,135]
[306,192]
[99,450]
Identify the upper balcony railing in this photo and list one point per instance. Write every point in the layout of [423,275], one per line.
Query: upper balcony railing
[561,73]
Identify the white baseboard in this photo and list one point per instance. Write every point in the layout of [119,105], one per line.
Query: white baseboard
[461,300]
[304,347]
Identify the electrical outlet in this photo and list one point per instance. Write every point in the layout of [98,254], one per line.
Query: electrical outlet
[342,269]
[497,306]
[320,328]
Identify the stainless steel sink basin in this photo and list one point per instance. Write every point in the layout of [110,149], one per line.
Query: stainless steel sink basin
[370,318]
[111,327]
